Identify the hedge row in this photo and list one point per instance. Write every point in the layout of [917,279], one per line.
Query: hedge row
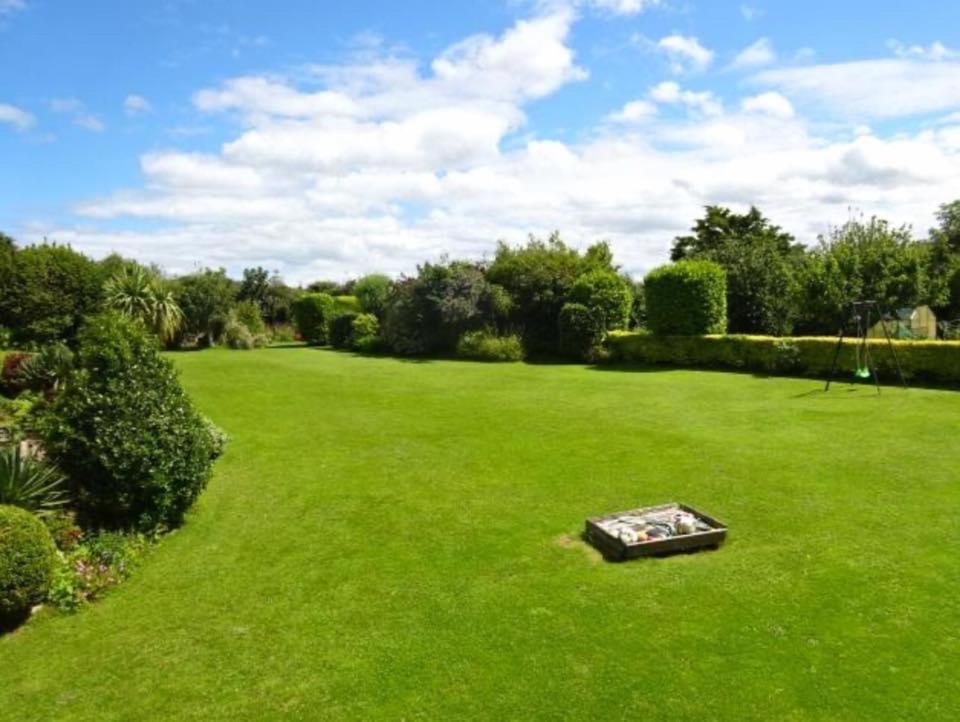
[936,361]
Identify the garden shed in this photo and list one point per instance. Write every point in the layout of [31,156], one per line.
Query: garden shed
[908,323]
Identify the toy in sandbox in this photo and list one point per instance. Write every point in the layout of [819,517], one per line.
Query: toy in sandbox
[653,531]
[861,315]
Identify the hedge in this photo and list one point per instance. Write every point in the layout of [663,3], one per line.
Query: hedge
[934,361]
[687,298]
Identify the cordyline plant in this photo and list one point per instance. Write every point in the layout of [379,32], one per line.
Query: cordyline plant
[29,483]
[134,293]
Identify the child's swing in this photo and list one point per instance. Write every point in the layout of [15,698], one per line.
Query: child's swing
[865,366]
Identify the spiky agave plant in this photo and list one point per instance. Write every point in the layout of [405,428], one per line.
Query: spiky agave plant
[30,483]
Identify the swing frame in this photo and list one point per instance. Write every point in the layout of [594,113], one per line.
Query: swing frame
[861,312]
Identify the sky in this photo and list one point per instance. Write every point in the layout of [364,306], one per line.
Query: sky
[329,139]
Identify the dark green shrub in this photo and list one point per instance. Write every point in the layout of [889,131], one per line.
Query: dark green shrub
[687,298]
[372,292]
[365,334]
[311,314]
[124,431]
[341,330]
[486,346]
[46,370]
[580,331]
[27,561]
[607,294]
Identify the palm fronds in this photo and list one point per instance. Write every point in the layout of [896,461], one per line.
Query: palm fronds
[29,483]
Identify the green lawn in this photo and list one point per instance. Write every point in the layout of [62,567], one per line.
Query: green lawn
[399,540]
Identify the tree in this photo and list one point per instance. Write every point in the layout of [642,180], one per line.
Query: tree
[206,299]
[135,293]
[856,261]
[51,289]
[372,292]
[538,277]
[255,286]
[760,260]
[943,261]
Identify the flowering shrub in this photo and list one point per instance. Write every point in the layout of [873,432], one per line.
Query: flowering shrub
[101,561]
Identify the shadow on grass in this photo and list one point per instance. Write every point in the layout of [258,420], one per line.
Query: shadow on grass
[11,622]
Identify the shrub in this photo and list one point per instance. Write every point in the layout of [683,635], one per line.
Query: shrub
[30,484]
[282,333]
[365,333]
[311,314]
[580,331]
[46,370]
[686,298]
[372,292]
[218,437]
[27,559]
[100,561]
[341,330]
[347,304]
[486,346]
[237,336]
[6,337]
[248,313]
[803,356]
[63,527]
[125,432]
[607,294]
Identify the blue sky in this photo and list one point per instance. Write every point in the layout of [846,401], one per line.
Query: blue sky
[327,139]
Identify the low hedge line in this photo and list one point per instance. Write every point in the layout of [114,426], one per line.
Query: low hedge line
[936,361]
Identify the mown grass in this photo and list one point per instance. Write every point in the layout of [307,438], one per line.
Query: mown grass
[400,540]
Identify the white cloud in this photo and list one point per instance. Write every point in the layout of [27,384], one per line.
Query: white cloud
[685,53]
[79,114]
[935,51]
[379,164]
[755,55]
[770,103]
[635,111]
[749,12]
[17,117]
[890,88]
[671,93]
[8,7]
[136,105]
[622,7]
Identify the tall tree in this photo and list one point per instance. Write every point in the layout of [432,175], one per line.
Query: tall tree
[761,261]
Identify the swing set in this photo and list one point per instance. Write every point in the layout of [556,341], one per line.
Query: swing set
[861,313]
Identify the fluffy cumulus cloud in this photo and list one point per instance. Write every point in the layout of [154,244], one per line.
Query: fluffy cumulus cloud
[17,117]
[78,113]
[622,7]
[8,7]
[381,163]
[136,105]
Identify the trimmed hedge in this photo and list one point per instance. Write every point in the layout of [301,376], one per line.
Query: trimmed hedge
[687,298]
[27,559]
[580,331]
[311,314]
[936,361]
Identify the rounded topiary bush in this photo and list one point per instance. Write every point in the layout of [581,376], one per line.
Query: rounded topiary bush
[581,331]
[607,294]
[27,559]
[687,298]
[365,334]
[124,430]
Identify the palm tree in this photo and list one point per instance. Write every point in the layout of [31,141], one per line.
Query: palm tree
[136,294]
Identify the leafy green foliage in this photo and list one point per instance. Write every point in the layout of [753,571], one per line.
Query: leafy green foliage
[27,558]
[372,292]
[760,261]
[237,336]
[341,329]
[49,290]
[686,298]
[365,334]
[311,314]
[47,369]
[137,294]
[124,431]
[206,299]
[248,313]
[581,331]
[486,346]
[538,277]
[29,483]
[100,561]
[607,294]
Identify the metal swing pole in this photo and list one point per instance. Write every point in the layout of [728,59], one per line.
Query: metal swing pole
[836,356]
[867,355]
[893,351]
